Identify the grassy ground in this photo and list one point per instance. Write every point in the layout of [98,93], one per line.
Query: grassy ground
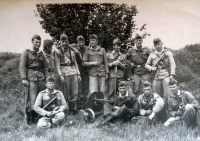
[13,127]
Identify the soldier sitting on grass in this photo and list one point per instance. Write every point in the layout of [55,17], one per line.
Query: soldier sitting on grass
[181,106]
[125,105]
[151,105]
[54,103]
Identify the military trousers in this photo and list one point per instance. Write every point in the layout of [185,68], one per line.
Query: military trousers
[138,82]
[188,117]
[47,122]
[161,87]
[83,86]
[96,84]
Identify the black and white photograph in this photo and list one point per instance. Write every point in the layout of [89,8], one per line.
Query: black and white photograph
[106,70]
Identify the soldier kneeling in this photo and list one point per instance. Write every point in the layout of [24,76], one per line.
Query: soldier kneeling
[51,105]
[125,105]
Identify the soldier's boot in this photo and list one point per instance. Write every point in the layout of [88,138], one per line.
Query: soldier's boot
[72,107]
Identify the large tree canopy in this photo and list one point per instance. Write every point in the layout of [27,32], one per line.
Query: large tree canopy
[108,21]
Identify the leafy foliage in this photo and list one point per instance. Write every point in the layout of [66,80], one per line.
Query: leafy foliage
[108,21]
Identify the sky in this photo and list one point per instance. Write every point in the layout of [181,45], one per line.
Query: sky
[175,22]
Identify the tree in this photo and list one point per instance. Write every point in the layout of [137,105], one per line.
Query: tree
[108,21]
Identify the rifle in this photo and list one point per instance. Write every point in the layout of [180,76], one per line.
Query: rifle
[27,104]
[48,104]
[124,102]
[153,73]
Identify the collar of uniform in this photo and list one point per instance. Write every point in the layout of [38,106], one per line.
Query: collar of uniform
[64,50]
[114,52]
[98,48]
[54,91]
[48,55]
[33,51]
[137,50]
[178,95]
[147,97]
[159,53]
[123,96]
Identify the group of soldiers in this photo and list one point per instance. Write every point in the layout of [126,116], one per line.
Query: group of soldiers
[137,83]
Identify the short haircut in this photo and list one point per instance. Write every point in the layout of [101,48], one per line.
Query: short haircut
[122,83]
[138,37]
[93,36]
[80,38]
[117,42]
[36,36]
[173,82]
[63,37]
[146,84]
[47,43]
[156,41]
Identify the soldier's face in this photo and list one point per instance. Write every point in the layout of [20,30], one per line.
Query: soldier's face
[122,90]
[50,85]
[158,46]
[174,89]
[49,49]
[93,42]
[138,42]
[81,43]
[36,44]
[117,48]
[147,91]
[64,43]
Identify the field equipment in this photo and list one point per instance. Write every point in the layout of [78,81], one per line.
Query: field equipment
[153,73]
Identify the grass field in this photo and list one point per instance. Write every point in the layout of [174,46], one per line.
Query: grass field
[13,127]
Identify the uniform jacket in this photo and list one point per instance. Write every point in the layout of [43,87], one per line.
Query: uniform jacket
[183,97]
[33,66]
[163,70]
[96,55]
[66,65]
[113,56]
[154,103]
[44,97]
[139,59]
[50,62]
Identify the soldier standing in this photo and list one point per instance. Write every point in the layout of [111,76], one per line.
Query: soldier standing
[96,61]
[117,65]
[165,69]
[68,71]
[33,70]
[138,57]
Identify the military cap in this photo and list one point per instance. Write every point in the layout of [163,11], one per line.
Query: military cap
[156,41]
[63,37]
[93,36]
[173,82]
[80,38]
[122,83]
[116,42]
[36,36]
[50,79]
[146,84]
[138,37]
[183,86]
[47,43]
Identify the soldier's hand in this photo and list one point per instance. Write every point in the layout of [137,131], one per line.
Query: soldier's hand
[115,63]
[79,78]
[25,82]
[96,64]
[151,116]
[148,112]
[62,79]
[106,76]
[153,68]
[131,65]
[53,113]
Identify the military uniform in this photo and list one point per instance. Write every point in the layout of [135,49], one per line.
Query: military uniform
[125,107]
[97,74]
[139,72]
[112,78]
[165,68]
[33,68]
[59,104]
[154,103]
[66,66]
[182,107]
